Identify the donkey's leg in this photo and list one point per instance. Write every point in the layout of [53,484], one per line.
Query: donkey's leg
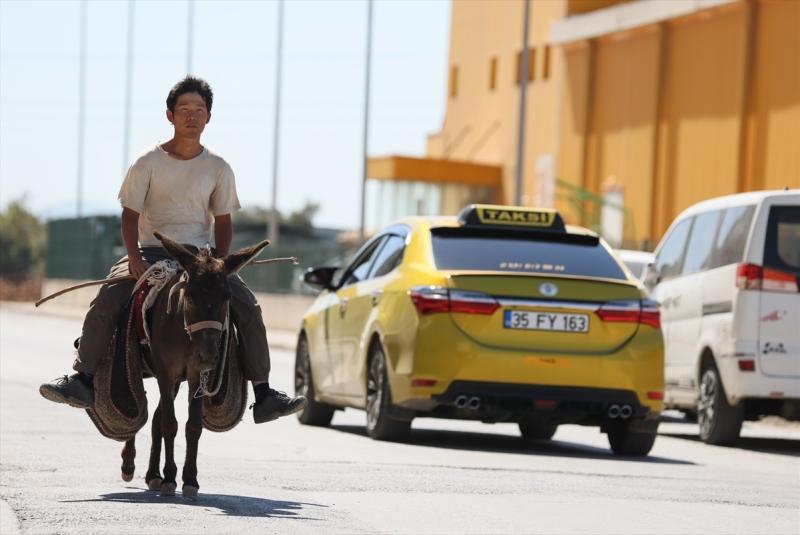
[153,477]
[128,455]
[169,428]
[194,427]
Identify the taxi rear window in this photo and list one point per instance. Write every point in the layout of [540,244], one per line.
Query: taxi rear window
[546,253]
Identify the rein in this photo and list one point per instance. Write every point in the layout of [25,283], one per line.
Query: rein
[202,389]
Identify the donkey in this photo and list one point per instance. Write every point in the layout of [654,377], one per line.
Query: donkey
[186,335]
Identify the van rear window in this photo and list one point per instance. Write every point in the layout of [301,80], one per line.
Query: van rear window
[545,255]
[782,250]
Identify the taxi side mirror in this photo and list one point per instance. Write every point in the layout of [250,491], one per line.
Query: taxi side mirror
[321,277]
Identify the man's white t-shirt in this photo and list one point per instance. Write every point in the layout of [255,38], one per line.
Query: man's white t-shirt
[178,198]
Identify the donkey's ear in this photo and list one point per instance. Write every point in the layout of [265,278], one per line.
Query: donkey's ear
[177,251]
[236,261]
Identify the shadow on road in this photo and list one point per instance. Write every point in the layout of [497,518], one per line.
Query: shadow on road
[495,443]
[227,504]
[780,446]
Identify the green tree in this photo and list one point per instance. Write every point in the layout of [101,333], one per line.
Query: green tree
[304,217]
[22,241]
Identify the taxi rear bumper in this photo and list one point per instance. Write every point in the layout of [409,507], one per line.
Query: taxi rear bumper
[508,402]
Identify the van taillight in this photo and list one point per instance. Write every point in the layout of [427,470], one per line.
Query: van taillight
[748,277]
[778,281]
[433,299]
[754,277]
[645,312]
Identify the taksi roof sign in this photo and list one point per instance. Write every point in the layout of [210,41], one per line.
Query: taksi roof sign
[487,214]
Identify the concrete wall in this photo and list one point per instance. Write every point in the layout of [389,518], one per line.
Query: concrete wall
[281,312]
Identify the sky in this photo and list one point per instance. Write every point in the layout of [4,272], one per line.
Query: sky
[235,49]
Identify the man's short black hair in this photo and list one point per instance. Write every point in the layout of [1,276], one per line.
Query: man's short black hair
[190,84]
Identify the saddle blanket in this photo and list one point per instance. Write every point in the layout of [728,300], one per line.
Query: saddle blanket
[146,291]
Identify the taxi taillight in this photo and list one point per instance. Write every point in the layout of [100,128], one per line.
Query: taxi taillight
[645,312]
[433,299]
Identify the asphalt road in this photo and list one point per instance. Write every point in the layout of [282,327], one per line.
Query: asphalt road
[58,475]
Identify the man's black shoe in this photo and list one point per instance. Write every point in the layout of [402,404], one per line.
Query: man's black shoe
[75,390]
[274,404]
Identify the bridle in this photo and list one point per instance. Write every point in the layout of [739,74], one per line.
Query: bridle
[223,327]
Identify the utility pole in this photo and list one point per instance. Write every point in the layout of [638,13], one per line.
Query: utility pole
[273,214]
[523,85]
[81,105]
[126,139]
[366,124]
[190,37]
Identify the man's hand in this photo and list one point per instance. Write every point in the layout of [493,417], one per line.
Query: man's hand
[137,267]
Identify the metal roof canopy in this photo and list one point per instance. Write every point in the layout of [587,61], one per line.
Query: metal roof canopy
[408,169]
[623,17]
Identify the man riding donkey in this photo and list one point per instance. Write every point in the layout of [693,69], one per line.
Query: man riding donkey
[177,188]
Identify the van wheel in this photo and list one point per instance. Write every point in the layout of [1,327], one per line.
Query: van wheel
[537,430]
[623,441]
[720,422]
[315,413]
[380,425]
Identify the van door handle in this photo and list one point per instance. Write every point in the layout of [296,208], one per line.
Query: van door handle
[342,307]
[376,297]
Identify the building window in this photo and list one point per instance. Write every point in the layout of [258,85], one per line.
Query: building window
[531,65]
[493,73]
[546,63]
[453,81]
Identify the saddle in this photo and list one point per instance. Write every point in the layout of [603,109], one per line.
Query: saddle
[120,407]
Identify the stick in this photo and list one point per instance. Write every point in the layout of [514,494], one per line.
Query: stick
[292,259]
[84,285]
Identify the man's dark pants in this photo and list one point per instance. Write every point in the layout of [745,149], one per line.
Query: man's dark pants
[101,320]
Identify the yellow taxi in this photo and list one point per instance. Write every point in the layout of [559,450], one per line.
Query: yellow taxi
[502,314]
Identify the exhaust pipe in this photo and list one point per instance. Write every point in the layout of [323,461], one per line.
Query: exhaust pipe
[613,411]
[625,412]
[461,401]
[474,403]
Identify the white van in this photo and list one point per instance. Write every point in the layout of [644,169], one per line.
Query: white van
[727,276]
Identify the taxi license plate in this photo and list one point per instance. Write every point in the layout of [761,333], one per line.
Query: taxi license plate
[546,321]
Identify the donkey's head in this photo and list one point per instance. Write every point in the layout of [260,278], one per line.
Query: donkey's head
[207,293]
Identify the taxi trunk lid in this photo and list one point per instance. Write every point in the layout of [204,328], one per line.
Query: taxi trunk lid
[545,314]
[538,290]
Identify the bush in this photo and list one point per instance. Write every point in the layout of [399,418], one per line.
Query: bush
[22,242]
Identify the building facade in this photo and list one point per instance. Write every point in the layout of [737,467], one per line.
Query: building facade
[635,109]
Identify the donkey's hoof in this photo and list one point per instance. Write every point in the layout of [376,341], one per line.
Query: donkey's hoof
[127,477]
[154,484]
[190,492]
[168,489]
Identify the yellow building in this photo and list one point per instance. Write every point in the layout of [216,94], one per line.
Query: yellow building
[643,107]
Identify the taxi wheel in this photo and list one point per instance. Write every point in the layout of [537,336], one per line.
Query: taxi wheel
[719,421]
[315,413]
[623,441]
[537,430]
[380,425]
